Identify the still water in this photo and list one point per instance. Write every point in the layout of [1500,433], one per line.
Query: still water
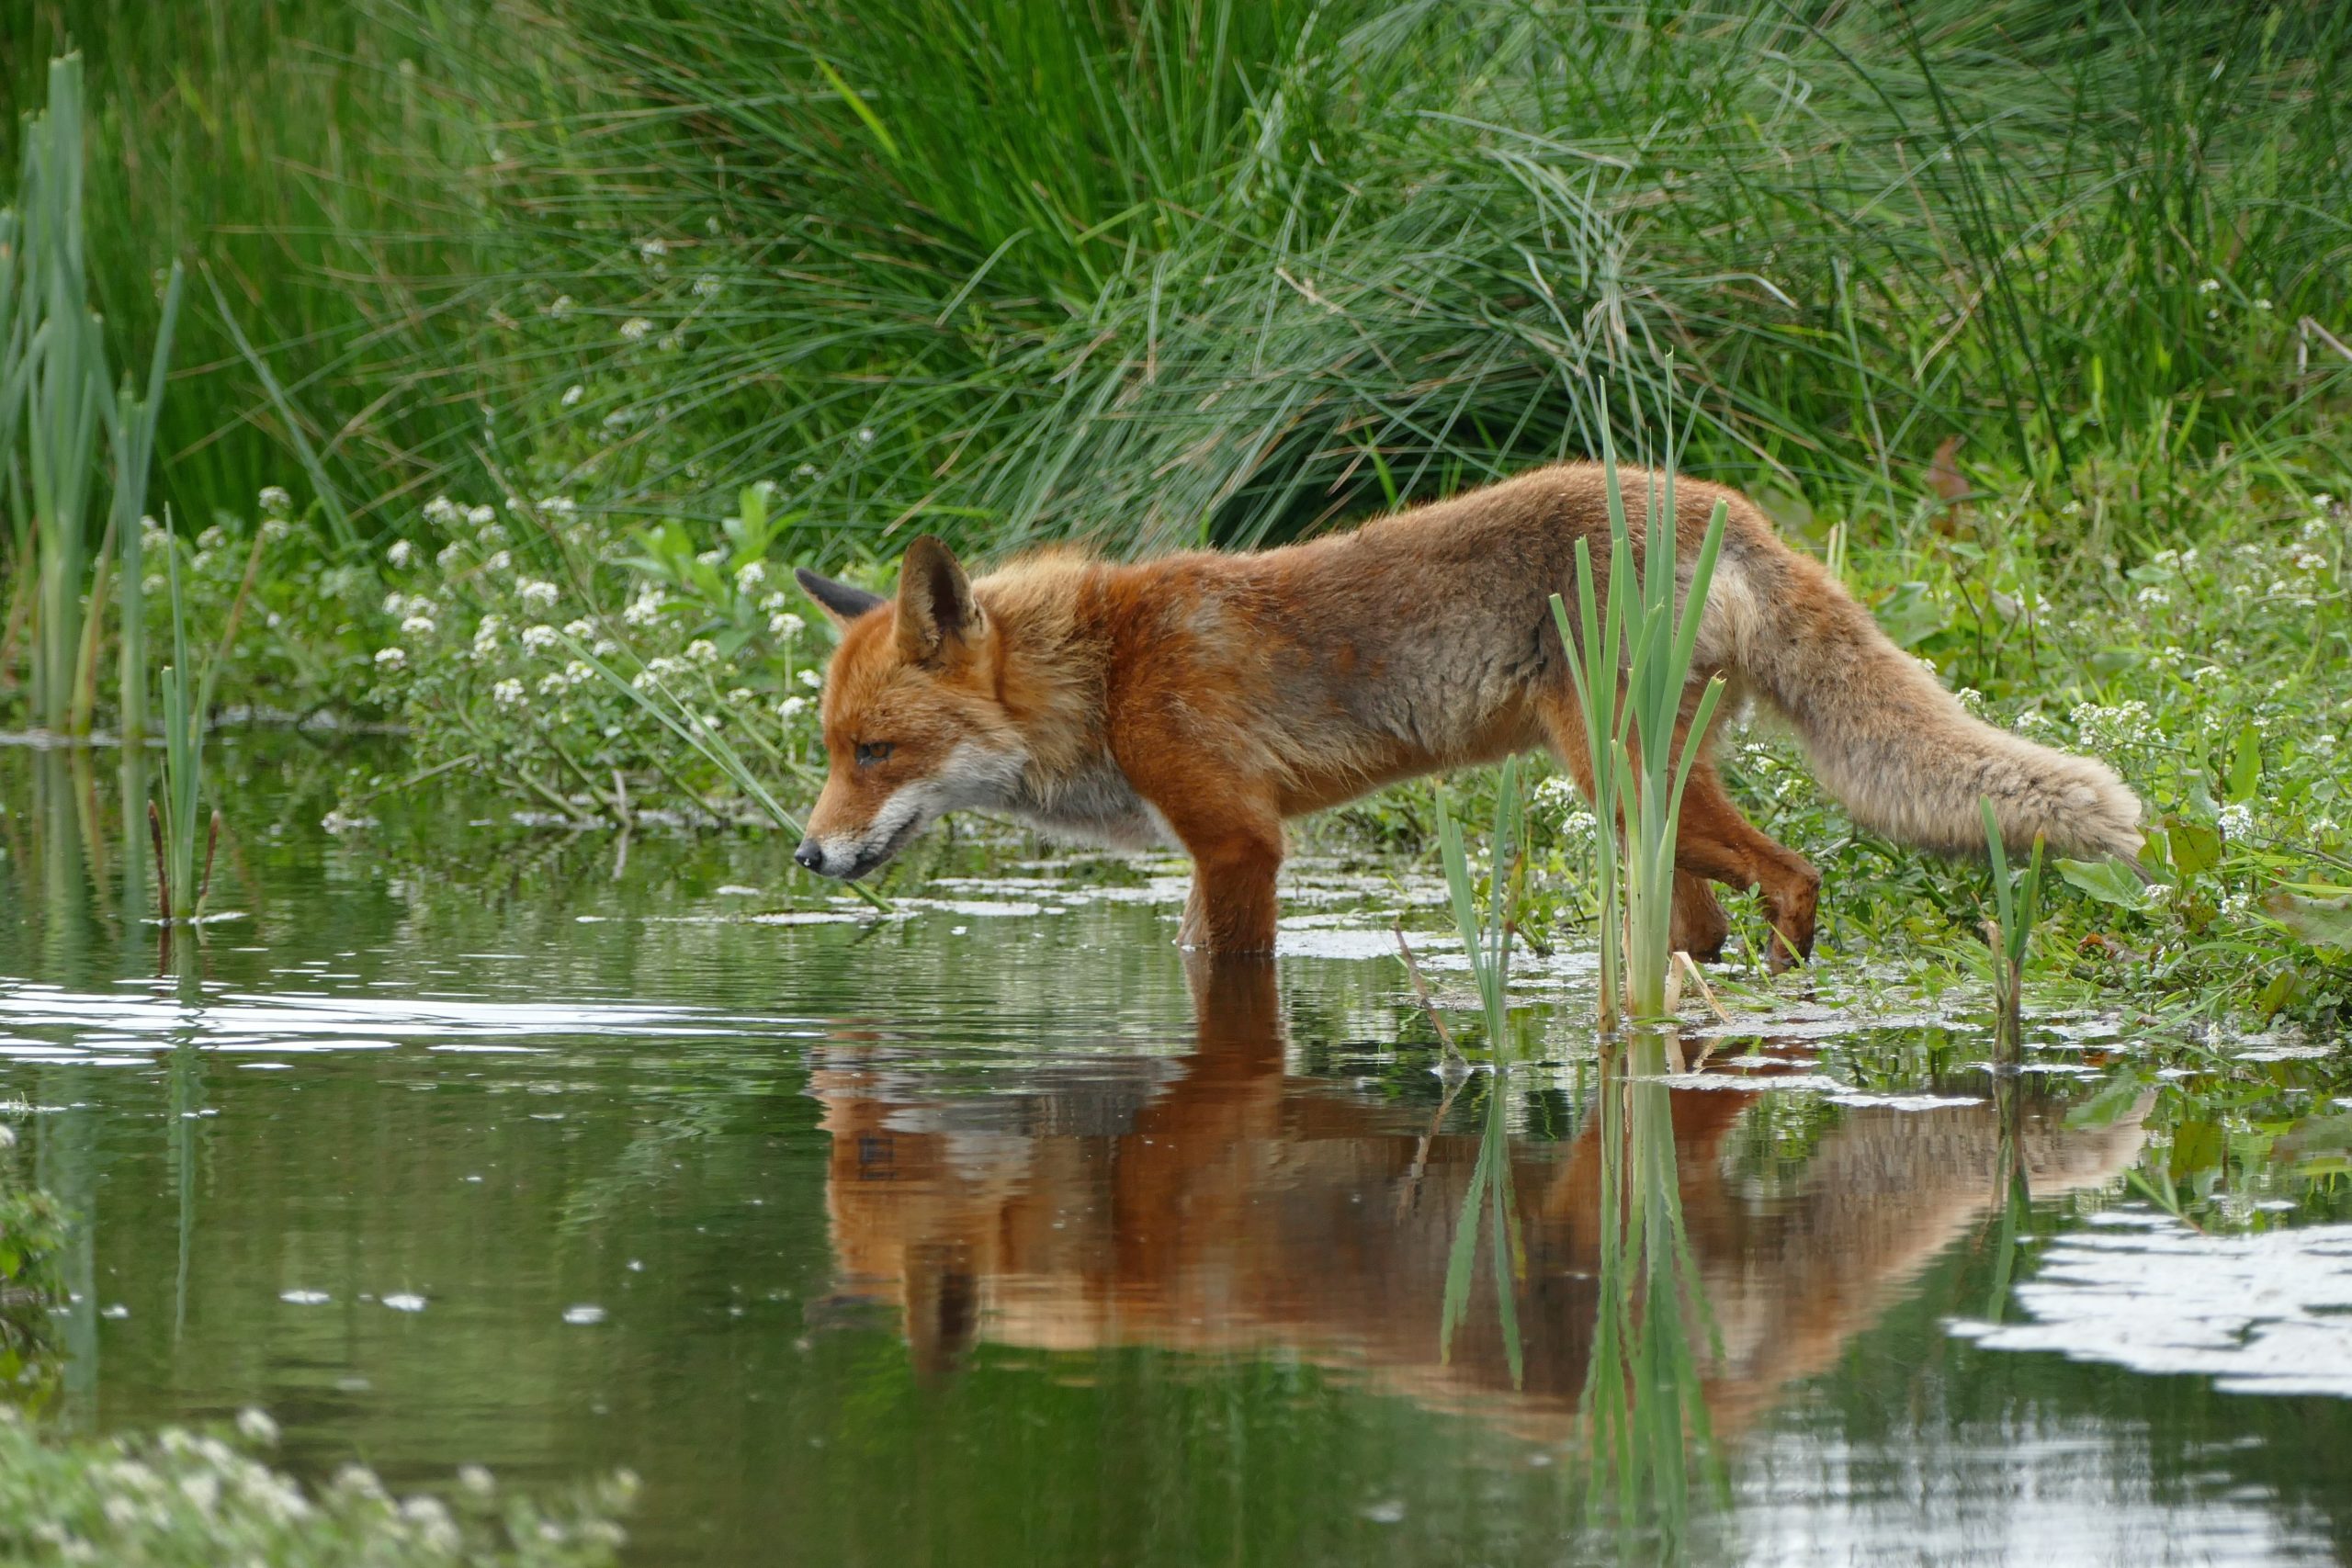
[991,1233]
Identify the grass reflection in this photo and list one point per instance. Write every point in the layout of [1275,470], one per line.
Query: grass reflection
[1652,1445]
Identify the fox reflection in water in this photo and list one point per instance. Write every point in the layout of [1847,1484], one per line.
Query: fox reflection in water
[1220,1204]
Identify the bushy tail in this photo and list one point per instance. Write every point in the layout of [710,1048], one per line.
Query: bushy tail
[1886,739]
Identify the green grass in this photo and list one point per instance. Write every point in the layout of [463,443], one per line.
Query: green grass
[1156,274]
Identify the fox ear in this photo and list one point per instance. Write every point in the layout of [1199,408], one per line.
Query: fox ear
[937,614]
[840,603]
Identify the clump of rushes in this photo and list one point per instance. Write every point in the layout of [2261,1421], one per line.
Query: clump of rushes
[57,387]
[1630,663]
[2016,907]
[53,388]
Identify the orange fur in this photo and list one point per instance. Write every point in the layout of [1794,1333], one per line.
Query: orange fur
[1205,698]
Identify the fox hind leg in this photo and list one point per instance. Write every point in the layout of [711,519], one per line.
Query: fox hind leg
[1714,842]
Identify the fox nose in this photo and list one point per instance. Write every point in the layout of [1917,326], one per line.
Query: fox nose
[808,854]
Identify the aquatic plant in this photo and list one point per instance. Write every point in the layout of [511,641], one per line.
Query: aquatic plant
[55,388]
[1487,941]
[1630,663]
[131,448]
[2017,904]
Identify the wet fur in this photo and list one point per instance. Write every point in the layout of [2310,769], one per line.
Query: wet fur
[1206,697]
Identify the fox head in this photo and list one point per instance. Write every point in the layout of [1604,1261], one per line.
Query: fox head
[913,729]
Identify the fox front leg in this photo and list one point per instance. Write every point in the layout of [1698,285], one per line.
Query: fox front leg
[1231,907]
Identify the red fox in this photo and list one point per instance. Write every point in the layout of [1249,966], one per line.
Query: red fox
[1203,698]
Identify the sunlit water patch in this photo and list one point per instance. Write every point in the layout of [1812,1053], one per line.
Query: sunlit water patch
[2267,1313]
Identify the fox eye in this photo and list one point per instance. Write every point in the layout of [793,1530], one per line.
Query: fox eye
[872,751]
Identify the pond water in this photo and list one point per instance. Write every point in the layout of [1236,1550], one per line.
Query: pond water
[991,1233]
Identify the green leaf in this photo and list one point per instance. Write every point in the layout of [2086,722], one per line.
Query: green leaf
[2107,881]
[2245,766]
[2195,846]
[2322,922]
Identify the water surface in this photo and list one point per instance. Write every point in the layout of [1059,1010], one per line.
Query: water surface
[991,1233]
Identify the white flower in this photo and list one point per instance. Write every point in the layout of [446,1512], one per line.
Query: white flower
[804,471]
[2153,596]
[643,610]
[443,512]
[561,307]
[786,626]
[2309,560]
[400,553]
[2262,302]
[670,343]
[577,671]
[2321,502]
[750,574]
[535,638]
[212,538]
[573,393]
[811,679]
[256,1425]
[202,1489]
[532,590]
[418,626]
[604,648]
[274,501]
[740,694]
[635,329]
[476,1480]
[664,666]
[702,650]
[448,557]
[2210,285]
[774,601]
[650,250]
[709,557]
[579,629]
[429,1516]
[865,435]
[791,708]
[508,692]
[482,516]
[2237,820]
[499,562]
[391,658]
[552,683]
[558,506]
[707,285]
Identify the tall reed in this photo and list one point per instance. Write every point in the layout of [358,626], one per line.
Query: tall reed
[1488,1208]
[130,430]
[1629,652]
